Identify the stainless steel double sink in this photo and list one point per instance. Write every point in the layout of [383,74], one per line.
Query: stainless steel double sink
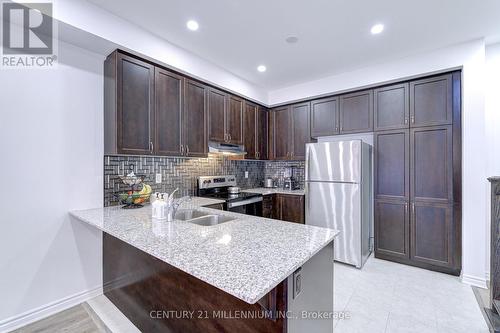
[201,218]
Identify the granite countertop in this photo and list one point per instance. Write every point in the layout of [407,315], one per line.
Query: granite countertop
[276,190]
[246,257]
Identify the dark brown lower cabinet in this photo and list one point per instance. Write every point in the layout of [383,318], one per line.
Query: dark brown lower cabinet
[414,198]
[392,228]
[291,208]
[432,234]
[285,207]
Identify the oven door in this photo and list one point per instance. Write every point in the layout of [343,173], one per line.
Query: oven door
[252,206]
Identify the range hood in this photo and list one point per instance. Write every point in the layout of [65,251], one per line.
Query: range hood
[225,148]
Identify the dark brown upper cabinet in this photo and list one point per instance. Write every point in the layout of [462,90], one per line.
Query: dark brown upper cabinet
[325,117]
[262,133]
[217,104]
[300,115]
[194,119]
[169,91]
[250,130]
[391,107]
[356,112]
[225,117]
[290,131]
[129,105]
[431,101]
[255,131]
[281,124]
[234,120]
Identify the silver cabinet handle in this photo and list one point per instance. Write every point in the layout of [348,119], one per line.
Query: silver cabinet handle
[187,150]
[413,119]
[406,207]
[229,135]
[406,120]
[151,147]
[182,150]
[413,209]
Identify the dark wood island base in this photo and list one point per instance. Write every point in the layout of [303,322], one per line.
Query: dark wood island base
[158,297]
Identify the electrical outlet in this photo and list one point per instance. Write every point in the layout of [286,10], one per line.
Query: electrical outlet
[297,282]
[246,174]
[158,178]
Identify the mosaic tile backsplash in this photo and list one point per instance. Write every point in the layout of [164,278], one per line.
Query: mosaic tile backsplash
[182,173]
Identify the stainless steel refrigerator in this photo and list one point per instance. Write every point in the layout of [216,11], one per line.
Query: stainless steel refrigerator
[338,183]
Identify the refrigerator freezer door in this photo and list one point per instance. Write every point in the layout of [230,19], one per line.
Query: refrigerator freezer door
[337,206]
[334,161]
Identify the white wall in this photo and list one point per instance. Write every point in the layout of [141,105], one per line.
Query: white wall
[95,20]
[471,57]
[492,120]
[51,133]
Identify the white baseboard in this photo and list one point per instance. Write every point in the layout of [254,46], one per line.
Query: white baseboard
[474,281]
[46,310]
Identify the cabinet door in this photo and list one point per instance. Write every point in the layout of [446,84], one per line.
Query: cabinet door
[195,123]
[268,206]
[281,132]
[325,117]
[168,112]
[262,133]
[217,103]
[291,208]
[392,236]
[432,234]
[249,130]
[234,121]
[392,165]
[391,107]
[300,114]
[392,191]
[432,225]
[431,101]
[356,112]
[431,164]
[135,105]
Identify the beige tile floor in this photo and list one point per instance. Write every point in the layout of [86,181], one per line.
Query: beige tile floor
[389,297]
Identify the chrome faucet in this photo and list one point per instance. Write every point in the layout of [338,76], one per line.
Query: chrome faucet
[173,205]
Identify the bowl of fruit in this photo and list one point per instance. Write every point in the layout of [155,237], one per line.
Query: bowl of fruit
[135,198]
[138,194]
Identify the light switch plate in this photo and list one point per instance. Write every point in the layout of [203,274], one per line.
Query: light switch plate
[158,178]
[297,282]
[246,174]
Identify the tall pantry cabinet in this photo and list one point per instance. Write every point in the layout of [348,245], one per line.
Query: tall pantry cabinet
[417,173]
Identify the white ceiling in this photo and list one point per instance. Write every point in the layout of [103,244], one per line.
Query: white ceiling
[334,35]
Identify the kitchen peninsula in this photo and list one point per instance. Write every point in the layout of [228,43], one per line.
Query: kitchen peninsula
[248,274]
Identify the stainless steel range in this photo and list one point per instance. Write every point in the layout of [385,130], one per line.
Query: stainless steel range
[224,188]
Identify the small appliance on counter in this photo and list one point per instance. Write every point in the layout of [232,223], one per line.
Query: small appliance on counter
[269,183]
[290,182]
[224,188]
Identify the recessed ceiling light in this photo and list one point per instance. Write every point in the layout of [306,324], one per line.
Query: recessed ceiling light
[261,68]
[292,39]
[192,25]
[377,28]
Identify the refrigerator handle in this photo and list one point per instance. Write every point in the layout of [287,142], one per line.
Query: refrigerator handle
[308,152]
